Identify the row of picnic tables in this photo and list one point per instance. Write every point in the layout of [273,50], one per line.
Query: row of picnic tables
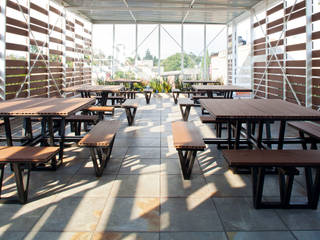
[241,117]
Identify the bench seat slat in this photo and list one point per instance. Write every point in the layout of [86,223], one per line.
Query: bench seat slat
[272,158]
[187,136]
[27,154]
[310,128]
[101,134]
[130,103]
[100,108]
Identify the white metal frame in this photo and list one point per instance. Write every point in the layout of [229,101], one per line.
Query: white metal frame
[308,54]
[274,53]
[3,30]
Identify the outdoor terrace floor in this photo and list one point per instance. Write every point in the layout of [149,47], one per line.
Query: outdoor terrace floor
[142,194]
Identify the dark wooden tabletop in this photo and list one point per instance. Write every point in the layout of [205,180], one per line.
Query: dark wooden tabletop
[233,88]
[263,109]
[43,106]
[124,80]
[199,81]
[91,88]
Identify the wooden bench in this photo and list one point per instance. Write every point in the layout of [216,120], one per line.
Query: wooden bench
[187,140]
[147,94]
[185,105]
[310,128]
[116,98]
[130,106]
[129,94]
[286,162]
[100,141]
[100,110]
[21,160]
[175,95]
[77,120]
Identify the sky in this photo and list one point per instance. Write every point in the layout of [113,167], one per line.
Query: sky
[148,38]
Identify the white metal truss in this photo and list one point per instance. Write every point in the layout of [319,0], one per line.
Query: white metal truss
[3,19]
[308,54]
[234,52]
[38,54]
[274,54]
[130,11]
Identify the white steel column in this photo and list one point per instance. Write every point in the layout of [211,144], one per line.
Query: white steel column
[159,48]
[234,52]
[308,53]
[136,53]
[227,43]
[113,48]
[268,52]
[252,50]
[182,53]
[29,47]
[3,5]
[284,97]
[64,56]
[204,74]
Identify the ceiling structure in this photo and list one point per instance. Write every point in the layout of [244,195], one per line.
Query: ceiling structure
[160,11]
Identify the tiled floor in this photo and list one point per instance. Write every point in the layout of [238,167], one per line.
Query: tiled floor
[142,194]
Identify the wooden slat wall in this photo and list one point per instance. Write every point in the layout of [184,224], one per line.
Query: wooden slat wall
[316,63]
[47,36]
[291,54]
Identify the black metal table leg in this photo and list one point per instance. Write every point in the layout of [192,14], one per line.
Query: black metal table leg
[8,131]
[282,130]
[62,138]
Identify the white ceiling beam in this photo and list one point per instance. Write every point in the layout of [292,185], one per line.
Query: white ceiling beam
[166,9]
[127,6]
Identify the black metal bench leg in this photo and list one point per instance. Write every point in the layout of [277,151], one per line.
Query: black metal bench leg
[316,190]
[27,128]
[22,180]
[185,112]
[303,143]
[104,154]
[187,159]
[257,184]
[268,134]
[1,177]
[131,113]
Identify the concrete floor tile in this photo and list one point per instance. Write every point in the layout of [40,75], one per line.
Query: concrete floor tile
[59,235]
[18,218]
[88,186]
[192,235]
[238,214]
[169,153]
[189,214]
[125,236]
[230,185]
[172,166]
[146,185]
[140,166]
[176,186]
[293,218]
[72,214]
[309,235]
[143,152]
[112,167]
[130,214]
[260,235]
[13,235]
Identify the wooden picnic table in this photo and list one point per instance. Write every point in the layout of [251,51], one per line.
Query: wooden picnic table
[261,111]
[130,81]
[227,90]
[47,109]
[204,82]
[103,90]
